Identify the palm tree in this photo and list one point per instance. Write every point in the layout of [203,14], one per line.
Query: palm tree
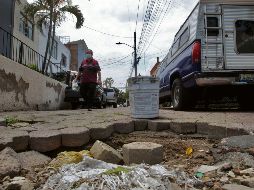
[108,82]
[52,13]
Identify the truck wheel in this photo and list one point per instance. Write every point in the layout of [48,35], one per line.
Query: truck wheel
[180,96]
[74,105]
[115,105]
[245,103]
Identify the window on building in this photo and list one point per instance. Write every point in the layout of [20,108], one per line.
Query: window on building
[175,47]
[184,37]
[26,27]
[212,22]
[64,60]
[244,36]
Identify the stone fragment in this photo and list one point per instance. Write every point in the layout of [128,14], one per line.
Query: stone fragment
[124,127]
[32,159]
[224,179]
[19,183]
[140,124]
[45,140]
[231,174]
[99,133]
[20,125]
[205,168]
[142,152]
[248,172]
[235,187]
[158,125]
[248,182]
[9,163]
[104,152]
[183,127]
[75,136]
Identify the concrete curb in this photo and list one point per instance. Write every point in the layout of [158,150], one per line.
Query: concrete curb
[48,140]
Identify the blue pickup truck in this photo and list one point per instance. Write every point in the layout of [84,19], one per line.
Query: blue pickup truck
[212,55]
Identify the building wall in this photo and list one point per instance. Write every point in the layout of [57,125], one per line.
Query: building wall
[74,56]
[39,40]
[61,49]
[19,5]
[24,89]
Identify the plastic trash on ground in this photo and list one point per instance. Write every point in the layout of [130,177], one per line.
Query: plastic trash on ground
[91,174]
[70,157]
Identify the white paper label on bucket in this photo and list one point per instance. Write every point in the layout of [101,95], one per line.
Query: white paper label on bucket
[144,104]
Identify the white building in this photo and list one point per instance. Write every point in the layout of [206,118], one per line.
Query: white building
[30,35]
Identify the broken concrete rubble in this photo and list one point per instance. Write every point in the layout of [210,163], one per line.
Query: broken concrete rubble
[18,183]
[104,152]
[9,163]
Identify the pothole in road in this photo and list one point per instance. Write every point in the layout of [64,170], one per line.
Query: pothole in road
[175,147]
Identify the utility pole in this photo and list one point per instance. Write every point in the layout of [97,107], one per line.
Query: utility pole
[135,56]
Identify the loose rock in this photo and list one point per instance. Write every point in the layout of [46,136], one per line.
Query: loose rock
[9,163]
[32,159]
[235,187]
[104,152]
[142,152]
[19,183]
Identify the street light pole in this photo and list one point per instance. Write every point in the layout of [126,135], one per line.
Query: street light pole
[135,55]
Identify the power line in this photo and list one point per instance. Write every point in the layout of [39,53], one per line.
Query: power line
[106,33]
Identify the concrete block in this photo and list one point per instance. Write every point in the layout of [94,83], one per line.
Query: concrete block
[236,132]
[142,152]
[124,127]
[75,136]
[159,125]
[140,125]
[106,153]
[99,133]
[16,139]
[45,140]
[245,141]
[183,128]
[213,130]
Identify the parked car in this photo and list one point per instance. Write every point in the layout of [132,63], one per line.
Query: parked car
[73,95]
[212,55]
[111,96]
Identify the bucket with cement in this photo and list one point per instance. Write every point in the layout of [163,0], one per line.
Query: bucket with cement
[144,97]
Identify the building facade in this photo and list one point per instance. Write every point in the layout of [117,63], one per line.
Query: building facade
[155,68]
[23,41]
[77,49]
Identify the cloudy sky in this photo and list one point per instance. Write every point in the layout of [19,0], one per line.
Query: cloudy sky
[118,18]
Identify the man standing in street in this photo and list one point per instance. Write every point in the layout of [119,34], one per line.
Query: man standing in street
[87,74]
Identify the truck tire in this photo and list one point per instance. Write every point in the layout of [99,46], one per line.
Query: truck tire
[245,103]
[180,96]
[115,105]
[74,105]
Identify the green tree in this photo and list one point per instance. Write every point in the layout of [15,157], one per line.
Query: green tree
[108,82]
[52,13]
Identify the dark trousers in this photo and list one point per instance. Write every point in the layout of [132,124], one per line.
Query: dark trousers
[87,91]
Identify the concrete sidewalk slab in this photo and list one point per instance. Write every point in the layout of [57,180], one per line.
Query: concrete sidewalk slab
[158,125]
[75,136]
[124,127]
[45,140]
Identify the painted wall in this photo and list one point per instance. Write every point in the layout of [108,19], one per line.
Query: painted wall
[24,89]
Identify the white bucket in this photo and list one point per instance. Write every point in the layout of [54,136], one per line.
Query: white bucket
[144,97]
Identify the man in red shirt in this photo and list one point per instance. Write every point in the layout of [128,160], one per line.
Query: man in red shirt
[88,72]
